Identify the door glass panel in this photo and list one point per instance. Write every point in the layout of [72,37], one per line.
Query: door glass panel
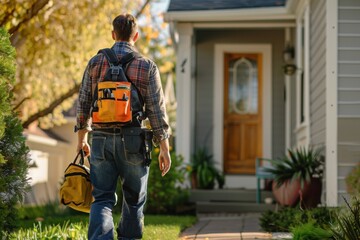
[243,86]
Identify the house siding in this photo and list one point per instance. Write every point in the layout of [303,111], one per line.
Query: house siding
[349,90]
[317,72]
[205,45]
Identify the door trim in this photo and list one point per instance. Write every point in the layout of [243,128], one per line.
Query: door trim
[218,108]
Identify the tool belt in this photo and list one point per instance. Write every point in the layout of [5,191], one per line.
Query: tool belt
[141,139]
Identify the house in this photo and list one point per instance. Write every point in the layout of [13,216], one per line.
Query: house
[51,151]
[235,97]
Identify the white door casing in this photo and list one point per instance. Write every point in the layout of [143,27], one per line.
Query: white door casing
[218,108]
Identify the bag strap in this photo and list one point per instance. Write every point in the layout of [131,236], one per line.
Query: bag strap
[113,59]
[81,154]
[117,65]
[110,56]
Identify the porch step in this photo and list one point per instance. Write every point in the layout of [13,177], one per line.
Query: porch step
[227,195]
[232,207]
[229,201]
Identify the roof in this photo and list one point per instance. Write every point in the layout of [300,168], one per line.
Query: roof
[198,5]
[34,130]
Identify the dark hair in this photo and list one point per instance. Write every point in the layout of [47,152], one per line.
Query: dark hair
[125,26]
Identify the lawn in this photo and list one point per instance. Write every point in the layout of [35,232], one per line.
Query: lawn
[159,227]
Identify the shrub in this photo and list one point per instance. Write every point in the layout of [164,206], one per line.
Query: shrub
[309,231]
[13,151]
[165,194]
[348,223]
[353,181]
[286,218]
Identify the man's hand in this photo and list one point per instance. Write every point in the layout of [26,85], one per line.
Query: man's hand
[82,142]
[164,157]
[85,147]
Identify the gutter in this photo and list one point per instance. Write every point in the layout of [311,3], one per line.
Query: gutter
[257,14]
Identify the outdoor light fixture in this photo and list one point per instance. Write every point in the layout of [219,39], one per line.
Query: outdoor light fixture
[288,56]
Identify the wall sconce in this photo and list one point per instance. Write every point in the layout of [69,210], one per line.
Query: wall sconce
[288,56]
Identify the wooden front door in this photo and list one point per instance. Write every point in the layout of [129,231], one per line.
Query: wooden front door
[242,112]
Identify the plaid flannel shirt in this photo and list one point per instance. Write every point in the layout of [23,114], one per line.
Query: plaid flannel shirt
[143,73]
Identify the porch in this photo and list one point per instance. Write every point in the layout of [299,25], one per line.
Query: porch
[229,201]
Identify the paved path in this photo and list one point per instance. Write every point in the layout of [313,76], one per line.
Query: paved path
[229,227]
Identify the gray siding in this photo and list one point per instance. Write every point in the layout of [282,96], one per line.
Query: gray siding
[349,59]
[349,90]
[205,45]
[317,72]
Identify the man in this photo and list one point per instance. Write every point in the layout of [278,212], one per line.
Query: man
[114,155]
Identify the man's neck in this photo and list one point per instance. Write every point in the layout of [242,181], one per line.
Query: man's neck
[129,42]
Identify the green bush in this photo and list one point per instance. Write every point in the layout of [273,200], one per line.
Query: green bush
[165,194]
[13,151]
[347,226]
[287,218]
[309,231]
[353,181]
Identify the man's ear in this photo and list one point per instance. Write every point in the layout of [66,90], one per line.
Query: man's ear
[136,36]
[113,34]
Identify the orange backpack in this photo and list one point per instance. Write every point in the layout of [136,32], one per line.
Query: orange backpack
[116,100]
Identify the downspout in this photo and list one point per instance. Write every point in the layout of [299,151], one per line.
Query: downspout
[288,98]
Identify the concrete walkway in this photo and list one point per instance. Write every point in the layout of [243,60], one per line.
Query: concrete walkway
[224,227]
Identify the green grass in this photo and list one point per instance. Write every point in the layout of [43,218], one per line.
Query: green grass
[75,227]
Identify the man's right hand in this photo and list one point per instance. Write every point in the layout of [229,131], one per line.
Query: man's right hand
[164,157]
[82,142]
[85,147]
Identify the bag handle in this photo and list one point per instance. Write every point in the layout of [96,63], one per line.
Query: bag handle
[81,154]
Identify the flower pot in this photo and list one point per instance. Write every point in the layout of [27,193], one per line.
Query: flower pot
[311,194]
[194,180]
[290,193]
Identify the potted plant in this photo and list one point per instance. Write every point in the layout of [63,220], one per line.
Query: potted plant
[203,172]
[298,177]
[353,181]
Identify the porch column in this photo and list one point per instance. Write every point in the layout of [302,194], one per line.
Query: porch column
[331,141]
[184,91]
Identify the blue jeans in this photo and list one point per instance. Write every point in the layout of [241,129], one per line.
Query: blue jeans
[115,156]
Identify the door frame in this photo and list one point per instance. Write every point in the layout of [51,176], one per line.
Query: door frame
[218,107]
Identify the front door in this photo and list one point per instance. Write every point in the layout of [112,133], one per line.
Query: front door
[242,112]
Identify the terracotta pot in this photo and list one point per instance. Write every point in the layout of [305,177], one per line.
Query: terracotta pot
[290,193]
[287,194]
[311,194]
[193,180]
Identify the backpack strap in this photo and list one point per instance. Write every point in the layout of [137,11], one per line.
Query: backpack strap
[114,62]
[110,56]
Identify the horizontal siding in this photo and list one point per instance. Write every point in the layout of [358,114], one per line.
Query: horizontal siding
[349,81]
[349,53]
[348,94]
[349,27]
[348,109]
[348,14]
[349,91]
[349,59]
[349,3]
[317,72]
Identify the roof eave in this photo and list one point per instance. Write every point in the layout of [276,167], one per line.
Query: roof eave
[250,14]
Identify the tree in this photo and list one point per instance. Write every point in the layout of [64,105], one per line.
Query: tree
[13,151]
[53,49]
